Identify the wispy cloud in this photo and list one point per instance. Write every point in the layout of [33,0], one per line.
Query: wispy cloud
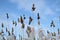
[40,5]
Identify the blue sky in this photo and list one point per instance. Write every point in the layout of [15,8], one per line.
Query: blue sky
[49,10]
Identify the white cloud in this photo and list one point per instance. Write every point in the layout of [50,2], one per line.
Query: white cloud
[27,4]
[40,5]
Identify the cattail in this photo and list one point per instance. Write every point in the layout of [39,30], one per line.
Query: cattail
[4,38]
[23,25]
[24,17]
[28,31]
[8,33]
[38,17]
[54,34]
[12,30]
[33,7]
[38,22]
[7,15]
[58,30]
[15,23]
[2,25]
[21,20]
[52,24]
[30,20]
[18,20]
[47,31]
[6,30]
